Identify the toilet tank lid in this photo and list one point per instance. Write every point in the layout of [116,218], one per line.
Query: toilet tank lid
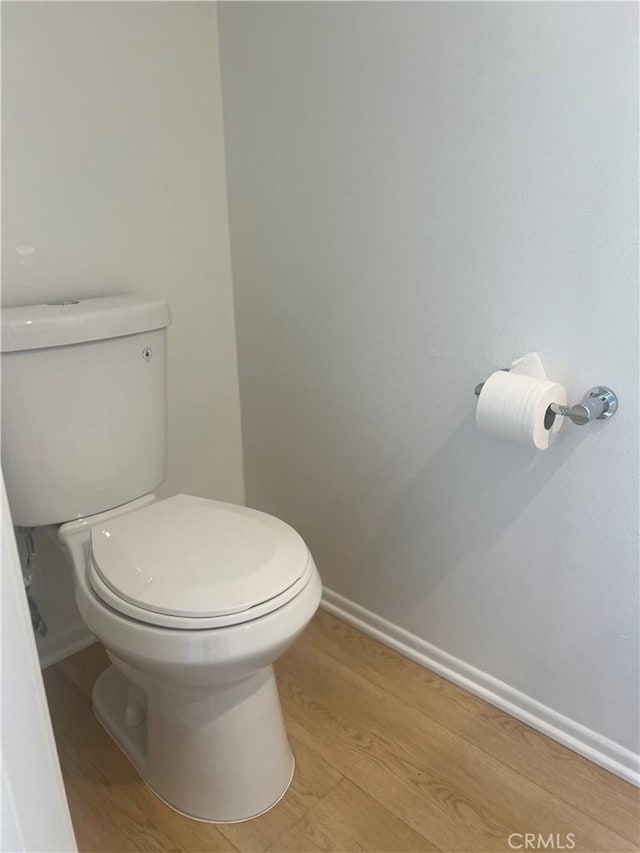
[61,322]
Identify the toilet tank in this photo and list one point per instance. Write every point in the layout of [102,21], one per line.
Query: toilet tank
[83,405]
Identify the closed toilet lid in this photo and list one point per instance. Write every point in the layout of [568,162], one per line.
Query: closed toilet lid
[193,557]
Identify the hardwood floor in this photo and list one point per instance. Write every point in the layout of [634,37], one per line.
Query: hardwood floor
[389,757]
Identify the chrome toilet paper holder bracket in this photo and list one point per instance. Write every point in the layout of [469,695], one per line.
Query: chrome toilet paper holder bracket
[598,404]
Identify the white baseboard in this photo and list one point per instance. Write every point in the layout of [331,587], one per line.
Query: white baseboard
[597,748]
[58,645]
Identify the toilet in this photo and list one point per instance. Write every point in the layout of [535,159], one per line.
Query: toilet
[194,599]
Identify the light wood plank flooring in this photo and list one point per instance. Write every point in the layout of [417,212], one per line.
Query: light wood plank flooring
[390,757]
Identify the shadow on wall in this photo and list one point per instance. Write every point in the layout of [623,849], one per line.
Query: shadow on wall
[460,501]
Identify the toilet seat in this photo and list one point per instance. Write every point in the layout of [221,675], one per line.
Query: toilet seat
[201,623]
[192,563]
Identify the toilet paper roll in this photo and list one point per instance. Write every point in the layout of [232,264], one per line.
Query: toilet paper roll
[514,405]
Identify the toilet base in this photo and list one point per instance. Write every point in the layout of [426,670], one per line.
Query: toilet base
[217,754]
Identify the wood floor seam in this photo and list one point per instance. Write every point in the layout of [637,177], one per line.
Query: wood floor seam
[426,838]
[273,847]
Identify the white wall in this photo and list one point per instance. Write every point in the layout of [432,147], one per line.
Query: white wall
[113,170]
[419,193]
[34,814]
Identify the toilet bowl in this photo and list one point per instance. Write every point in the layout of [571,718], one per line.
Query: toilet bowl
[191,699]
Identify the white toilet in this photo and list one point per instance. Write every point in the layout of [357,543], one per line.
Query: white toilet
[194,599]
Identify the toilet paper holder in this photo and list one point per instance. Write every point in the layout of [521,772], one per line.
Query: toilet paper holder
[599,403]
